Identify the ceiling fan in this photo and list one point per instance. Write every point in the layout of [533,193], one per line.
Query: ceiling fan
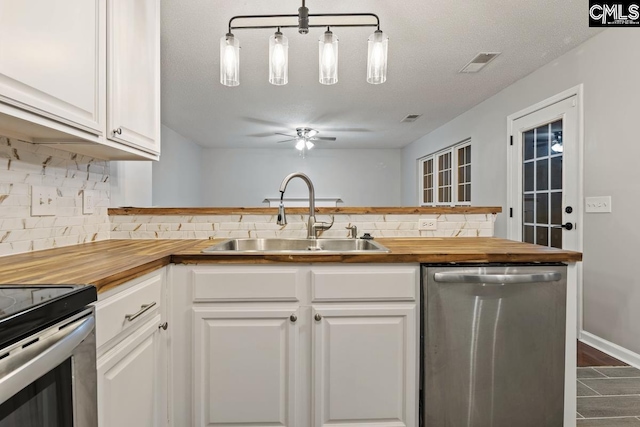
[305,138]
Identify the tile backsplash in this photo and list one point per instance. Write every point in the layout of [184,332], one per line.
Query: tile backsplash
[264,226]
[23,165]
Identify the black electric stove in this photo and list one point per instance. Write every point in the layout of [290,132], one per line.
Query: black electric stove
[25,309]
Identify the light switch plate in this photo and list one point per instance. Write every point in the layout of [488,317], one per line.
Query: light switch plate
[427,224]
[43,201]
[88,202]
[598,204]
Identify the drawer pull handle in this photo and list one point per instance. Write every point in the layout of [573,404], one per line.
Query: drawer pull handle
[163,326]
[143,308]
[318,317]
[117,131]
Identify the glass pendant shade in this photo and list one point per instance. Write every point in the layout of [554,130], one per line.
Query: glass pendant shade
[377,59]
[278,59]
[309,144]
[300,144]
[229,60]
[328,58]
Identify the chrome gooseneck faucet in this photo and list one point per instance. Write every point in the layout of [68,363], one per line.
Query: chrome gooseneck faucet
[313,227]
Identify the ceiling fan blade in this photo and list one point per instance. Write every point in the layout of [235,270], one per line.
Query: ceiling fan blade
[347,130]
[323,138]
[286,140]
[285,134]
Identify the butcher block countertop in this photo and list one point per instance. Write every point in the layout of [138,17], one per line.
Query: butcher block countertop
[109,263]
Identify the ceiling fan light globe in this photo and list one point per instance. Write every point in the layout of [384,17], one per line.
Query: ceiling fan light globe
[309,145]
[300,144]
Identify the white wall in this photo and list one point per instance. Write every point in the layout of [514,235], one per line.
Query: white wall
[176,177]
[608,65]
[130,183]
[245,177]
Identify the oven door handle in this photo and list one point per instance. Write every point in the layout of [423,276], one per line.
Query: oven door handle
[30,363]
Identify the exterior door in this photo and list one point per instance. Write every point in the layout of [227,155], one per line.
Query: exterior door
[544,181]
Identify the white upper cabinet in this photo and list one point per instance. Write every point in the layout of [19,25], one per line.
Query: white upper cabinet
[52,60]
[133,52]
[82,75]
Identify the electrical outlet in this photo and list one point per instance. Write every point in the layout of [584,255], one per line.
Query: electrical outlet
[43,201]
[428,224]
[598,204]
[88,202]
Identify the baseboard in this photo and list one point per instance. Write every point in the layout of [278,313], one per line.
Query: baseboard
[611,349]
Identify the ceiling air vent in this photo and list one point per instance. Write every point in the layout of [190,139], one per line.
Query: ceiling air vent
[410,118]
[479,62]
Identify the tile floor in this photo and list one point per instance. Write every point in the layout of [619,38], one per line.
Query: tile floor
[609,396]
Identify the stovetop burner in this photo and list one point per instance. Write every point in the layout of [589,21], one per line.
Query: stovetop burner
[26,308]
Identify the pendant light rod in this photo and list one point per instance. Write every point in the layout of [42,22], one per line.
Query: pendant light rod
[311,15]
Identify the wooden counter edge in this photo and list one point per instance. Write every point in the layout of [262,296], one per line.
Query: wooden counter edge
[426,210]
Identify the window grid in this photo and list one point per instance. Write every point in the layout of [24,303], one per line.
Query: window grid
[464,173]
[445,176]
[427,181]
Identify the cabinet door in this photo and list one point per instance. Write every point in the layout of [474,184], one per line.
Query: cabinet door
[365,366]
[133,89]
[52,59]
[132,381]
[244,367]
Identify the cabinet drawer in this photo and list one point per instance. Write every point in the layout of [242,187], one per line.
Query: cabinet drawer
[364,283]
[112,313]
[249,283]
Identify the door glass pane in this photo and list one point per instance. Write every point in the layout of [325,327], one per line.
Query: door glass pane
[542,141]
[542,174]
[556,208]
[528,177]
[542,236]
[542,208]
[556,238]
[542,185]
[529,205]
[527,235]
[556,173]
[529,149]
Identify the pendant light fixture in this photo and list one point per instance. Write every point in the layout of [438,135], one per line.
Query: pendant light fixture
[328,47]
[377,58]
[278,59]
[328,58]
[229,60]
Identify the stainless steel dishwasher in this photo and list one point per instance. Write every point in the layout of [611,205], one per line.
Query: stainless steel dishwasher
[493,345]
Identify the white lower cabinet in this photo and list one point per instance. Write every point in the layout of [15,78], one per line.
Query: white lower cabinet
[132,365]
[245,366]
[364,365]
[130,381]
[295,346]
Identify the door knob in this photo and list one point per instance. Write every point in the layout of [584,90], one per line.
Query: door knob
[117,131]
[163,326]
[293,318]
[318,317]
[567,226]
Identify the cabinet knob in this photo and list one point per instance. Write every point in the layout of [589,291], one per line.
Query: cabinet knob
[163,326]
[318,317]
[117,131]
[293,318]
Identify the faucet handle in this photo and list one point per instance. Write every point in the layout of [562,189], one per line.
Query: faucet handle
[354,231]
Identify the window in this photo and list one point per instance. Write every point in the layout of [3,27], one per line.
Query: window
[446,176]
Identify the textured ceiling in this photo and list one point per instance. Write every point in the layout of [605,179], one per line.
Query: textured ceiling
[429,42]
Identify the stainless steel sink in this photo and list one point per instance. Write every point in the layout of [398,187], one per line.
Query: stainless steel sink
[286,246]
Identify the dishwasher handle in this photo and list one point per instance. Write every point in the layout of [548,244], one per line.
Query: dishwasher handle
[502,279]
